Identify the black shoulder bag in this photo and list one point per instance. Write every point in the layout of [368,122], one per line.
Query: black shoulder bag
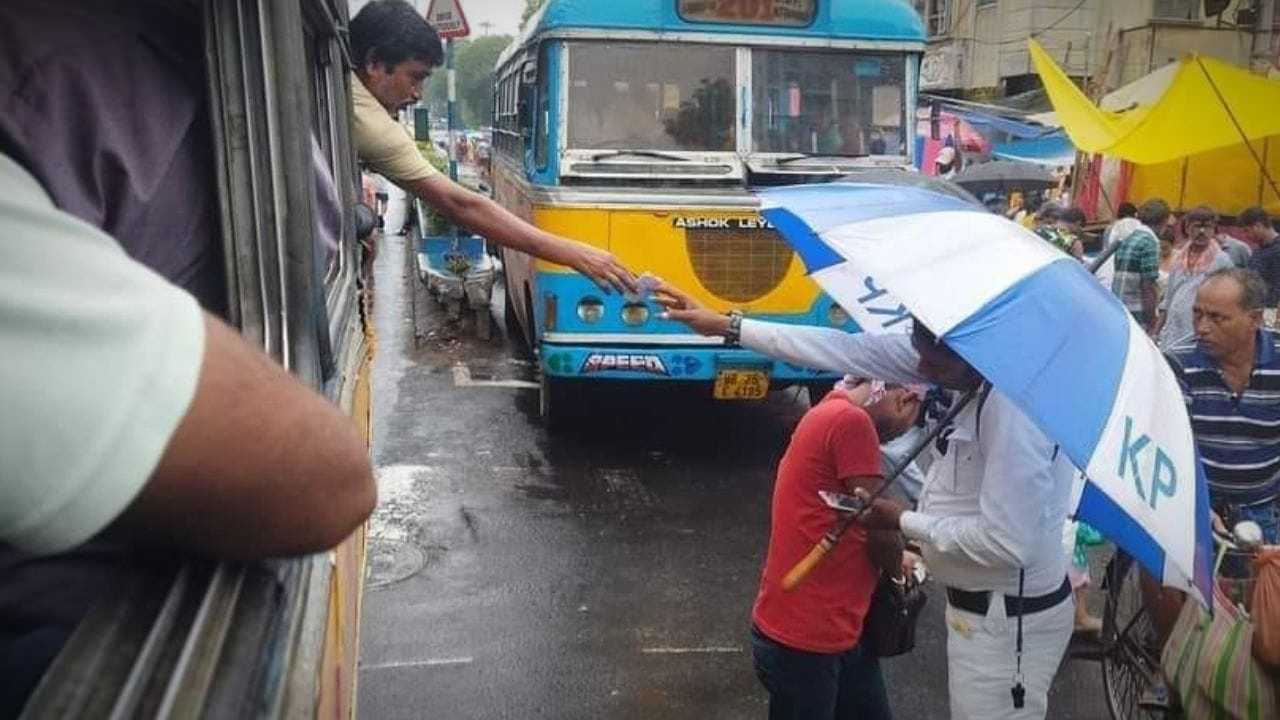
[890,626]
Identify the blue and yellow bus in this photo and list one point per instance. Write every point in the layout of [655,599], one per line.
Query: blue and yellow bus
[643,126]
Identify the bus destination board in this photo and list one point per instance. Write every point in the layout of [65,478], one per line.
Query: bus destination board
[789,13]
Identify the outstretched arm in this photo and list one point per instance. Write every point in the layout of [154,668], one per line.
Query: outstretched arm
[888,357]
[495,223]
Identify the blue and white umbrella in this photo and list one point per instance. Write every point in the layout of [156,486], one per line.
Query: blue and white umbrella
[1035,323]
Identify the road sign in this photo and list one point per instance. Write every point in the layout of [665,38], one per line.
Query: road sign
[447,19]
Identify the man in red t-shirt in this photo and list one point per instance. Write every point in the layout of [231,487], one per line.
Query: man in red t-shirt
[805,642]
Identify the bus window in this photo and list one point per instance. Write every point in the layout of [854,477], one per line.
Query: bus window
[507,130]
[542,113]
[829,103]
[628,96]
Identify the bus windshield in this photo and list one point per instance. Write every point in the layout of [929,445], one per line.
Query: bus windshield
[827,103]
[631,96]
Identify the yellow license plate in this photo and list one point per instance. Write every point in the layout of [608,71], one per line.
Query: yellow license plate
[741,384]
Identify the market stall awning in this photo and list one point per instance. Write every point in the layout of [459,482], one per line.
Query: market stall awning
[1054,150]
[1209,104]
[1015,128]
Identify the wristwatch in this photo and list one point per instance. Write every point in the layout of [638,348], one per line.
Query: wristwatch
[734,335]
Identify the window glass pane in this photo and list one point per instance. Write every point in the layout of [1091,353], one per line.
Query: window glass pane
[633,96]
[829,103]
[543,113]
[1176,9]
[939,17]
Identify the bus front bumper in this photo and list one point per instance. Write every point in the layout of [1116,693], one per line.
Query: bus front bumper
[680,364]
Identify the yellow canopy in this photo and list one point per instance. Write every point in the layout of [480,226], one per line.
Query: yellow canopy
[1191,116]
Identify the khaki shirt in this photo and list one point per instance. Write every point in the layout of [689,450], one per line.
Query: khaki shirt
[383,143]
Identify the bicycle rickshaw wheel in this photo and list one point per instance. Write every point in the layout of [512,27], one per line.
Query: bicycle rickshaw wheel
[1129,653]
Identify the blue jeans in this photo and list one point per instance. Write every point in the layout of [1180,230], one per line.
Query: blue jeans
[819,686]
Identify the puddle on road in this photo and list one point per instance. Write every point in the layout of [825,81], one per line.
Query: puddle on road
[394,551]
[391,561]
[596,490]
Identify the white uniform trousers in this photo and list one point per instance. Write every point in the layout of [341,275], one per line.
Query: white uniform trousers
[981,659]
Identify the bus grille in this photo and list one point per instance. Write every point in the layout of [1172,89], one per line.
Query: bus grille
[738,265]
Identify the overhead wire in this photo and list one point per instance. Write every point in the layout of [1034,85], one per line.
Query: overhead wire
[1034,33]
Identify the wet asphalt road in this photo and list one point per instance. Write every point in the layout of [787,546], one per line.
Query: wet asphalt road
[603,572]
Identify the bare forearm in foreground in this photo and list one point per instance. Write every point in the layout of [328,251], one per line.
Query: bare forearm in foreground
[260,465]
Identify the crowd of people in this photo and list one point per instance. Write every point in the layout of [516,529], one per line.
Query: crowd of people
[989,519]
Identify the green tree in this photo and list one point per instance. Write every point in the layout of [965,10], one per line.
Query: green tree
[473,61]
[530,7]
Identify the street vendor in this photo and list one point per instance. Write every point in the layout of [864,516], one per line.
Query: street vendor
[806,643]
[990,515]
[395,50]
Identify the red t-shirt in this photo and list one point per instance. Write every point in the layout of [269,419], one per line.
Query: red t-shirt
[834,441]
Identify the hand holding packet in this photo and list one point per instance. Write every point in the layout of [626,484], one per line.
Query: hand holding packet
[645,285]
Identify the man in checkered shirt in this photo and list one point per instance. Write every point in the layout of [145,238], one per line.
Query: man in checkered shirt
[1137,263]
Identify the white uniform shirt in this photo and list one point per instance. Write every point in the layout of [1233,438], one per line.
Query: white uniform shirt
[993,501]
[101,360]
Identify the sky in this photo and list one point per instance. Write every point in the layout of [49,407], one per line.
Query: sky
[504,14]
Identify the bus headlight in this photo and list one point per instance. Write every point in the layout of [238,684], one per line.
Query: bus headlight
[590,310]
[836,316]
[635,313]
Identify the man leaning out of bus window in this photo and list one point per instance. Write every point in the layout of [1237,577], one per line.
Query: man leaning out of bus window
[395,50]
[133,416]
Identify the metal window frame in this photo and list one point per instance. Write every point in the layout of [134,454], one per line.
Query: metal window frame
[192,638]
[577,162]
[910,65]
[1191,14]
[938,18]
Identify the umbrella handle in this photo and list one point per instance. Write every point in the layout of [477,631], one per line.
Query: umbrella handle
[797,574]
[1102,259]
[801,570]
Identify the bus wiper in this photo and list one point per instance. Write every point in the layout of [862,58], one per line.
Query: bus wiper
[787,161]
[638,153]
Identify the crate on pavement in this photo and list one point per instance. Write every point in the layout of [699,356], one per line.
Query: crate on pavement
[457,270]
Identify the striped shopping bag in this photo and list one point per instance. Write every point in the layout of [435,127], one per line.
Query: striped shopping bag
[1209,661]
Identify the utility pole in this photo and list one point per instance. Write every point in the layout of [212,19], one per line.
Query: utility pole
[449,22]
[451,84]
[1265,26]
[484,26]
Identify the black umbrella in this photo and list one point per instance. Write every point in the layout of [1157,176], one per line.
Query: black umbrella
[910,178]
[1003,176]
